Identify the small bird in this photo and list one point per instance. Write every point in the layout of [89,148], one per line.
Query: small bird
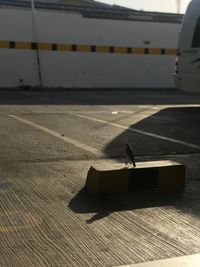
[129,154]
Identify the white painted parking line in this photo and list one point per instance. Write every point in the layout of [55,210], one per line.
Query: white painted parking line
[161,137]
[65,139]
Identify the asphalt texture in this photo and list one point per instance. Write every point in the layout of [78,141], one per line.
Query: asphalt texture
[50,138]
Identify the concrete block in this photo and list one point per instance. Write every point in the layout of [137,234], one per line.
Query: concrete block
[160,175]
[163,175]
[101,180]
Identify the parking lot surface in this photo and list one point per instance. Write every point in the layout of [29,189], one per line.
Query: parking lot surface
[50,138]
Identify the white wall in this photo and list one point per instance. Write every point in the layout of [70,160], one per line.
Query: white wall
[82,69]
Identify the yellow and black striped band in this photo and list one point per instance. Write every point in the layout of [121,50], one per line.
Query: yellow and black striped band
[86,48]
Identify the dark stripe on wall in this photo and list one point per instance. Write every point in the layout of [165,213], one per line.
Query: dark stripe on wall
[129,50]
[111,49]
[163,51]
[12,44]
[34,46]
[54,47]
[74,48]
[93,48]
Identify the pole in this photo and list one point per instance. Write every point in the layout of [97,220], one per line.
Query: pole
[32,6]
[35,37]
[178,2]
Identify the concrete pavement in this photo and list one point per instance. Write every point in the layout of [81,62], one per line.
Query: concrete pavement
[48,141]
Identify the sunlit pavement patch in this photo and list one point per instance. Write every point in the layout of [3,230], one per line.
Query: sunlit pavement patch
[17,220]
[184,261]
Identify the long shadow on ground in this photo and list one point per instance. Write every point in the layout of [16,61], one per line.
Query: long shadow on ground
[104,205]
[168,124]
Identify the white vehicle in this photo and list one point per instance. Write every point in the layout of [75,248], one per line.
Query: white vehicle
[187,72]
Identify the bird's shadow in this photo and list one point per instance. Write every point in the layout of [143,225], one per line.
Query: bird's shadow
[106,204]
